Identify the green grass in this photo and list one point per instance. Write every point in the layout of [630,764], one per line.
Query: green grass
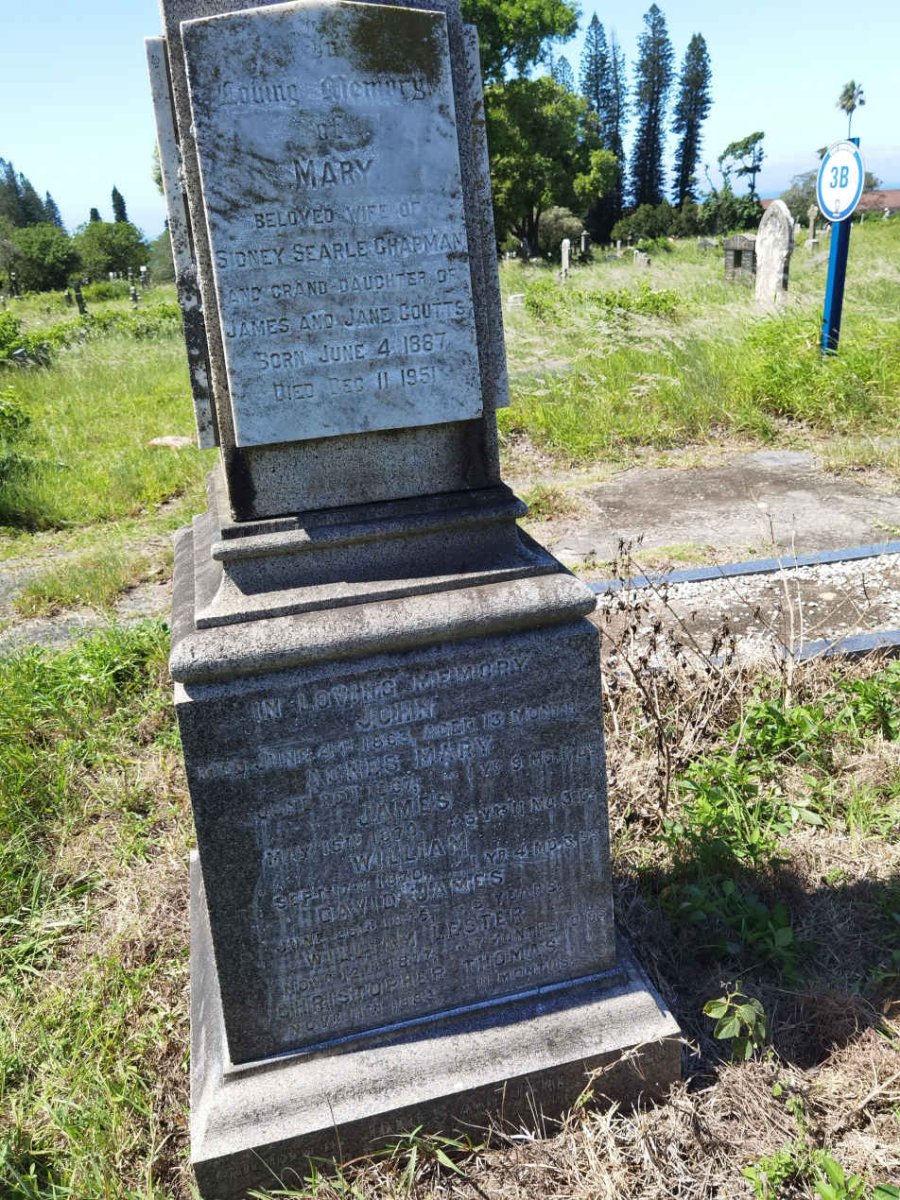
[87,1020]
[93,413]
[611,361]
[546,501]
[113,383]
[94,579]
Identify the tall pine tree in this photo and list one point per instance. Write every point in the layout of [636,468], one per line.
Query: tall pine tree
[603,86]
[51,208]
[691,110]
[94,216]
[19,202]
[118,206]
[561,72]
[594,64]
[613,117]
[10,197]
[652,81]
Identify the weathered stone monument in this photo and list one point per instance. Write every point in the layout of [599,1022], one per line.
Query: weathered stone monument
[388,695]
[774,244]
[740,257]
[565,251]
[812,214]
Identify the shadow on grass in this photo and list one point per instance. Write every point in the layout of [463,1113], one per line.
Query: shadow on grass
[822,953]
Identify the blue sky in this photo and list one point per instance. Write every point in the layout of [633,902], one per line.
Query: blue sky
[75,112]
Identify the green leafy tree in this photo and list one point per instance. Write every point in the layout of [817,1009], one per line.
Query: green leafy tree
[653,79]
[647,222]
[724,212]
[43,257]
[518,34]
[561,72]
[118,206]
[599,180]
[105,246]
[850,99]
[556,224]
[800,195]
[541,138]
[743,158]
[94,215]
[160,262]
[691,110]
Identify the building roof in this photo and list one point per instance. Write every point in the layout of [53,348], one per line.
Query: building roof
[876,201]
[881,199]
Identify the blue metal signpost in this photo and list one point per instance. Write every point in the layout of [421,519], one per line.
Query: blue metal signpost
[838,189]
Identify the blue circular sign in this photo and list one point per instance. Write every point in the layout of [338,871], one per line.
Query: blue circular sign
[840,182]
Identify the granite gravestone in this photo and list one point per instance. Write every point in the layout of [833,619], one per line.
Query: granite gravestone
[388,695]
[774,244]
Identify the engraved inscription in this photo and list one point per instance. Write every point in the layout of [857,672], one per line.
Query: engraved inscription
[335,213]
[413,844]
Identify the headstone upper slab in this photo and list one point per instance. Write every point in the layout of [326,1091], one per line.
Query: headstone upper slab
[329,161]
[774,243]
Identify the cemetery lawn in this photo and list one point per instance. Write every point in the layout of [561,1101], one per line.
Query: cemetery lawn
[756,818]
[621,364]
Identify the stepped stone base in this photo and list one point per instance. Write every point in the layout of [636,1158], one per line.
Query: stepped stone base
[256,1125]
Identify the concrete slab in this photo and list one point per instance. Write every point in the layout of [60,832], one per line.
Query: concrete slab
[759,503]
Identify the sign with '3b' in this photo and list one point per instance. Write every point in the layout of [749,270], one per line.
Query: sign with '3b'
[840,182]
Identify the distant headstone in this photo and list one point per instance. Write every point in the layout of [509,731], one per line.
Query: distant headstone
[67,296]
[774,243]
[887,215]
[565,250]
[585,243]
[79,300]
[641,259]
[812,214]
[388,697]
[740,257]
